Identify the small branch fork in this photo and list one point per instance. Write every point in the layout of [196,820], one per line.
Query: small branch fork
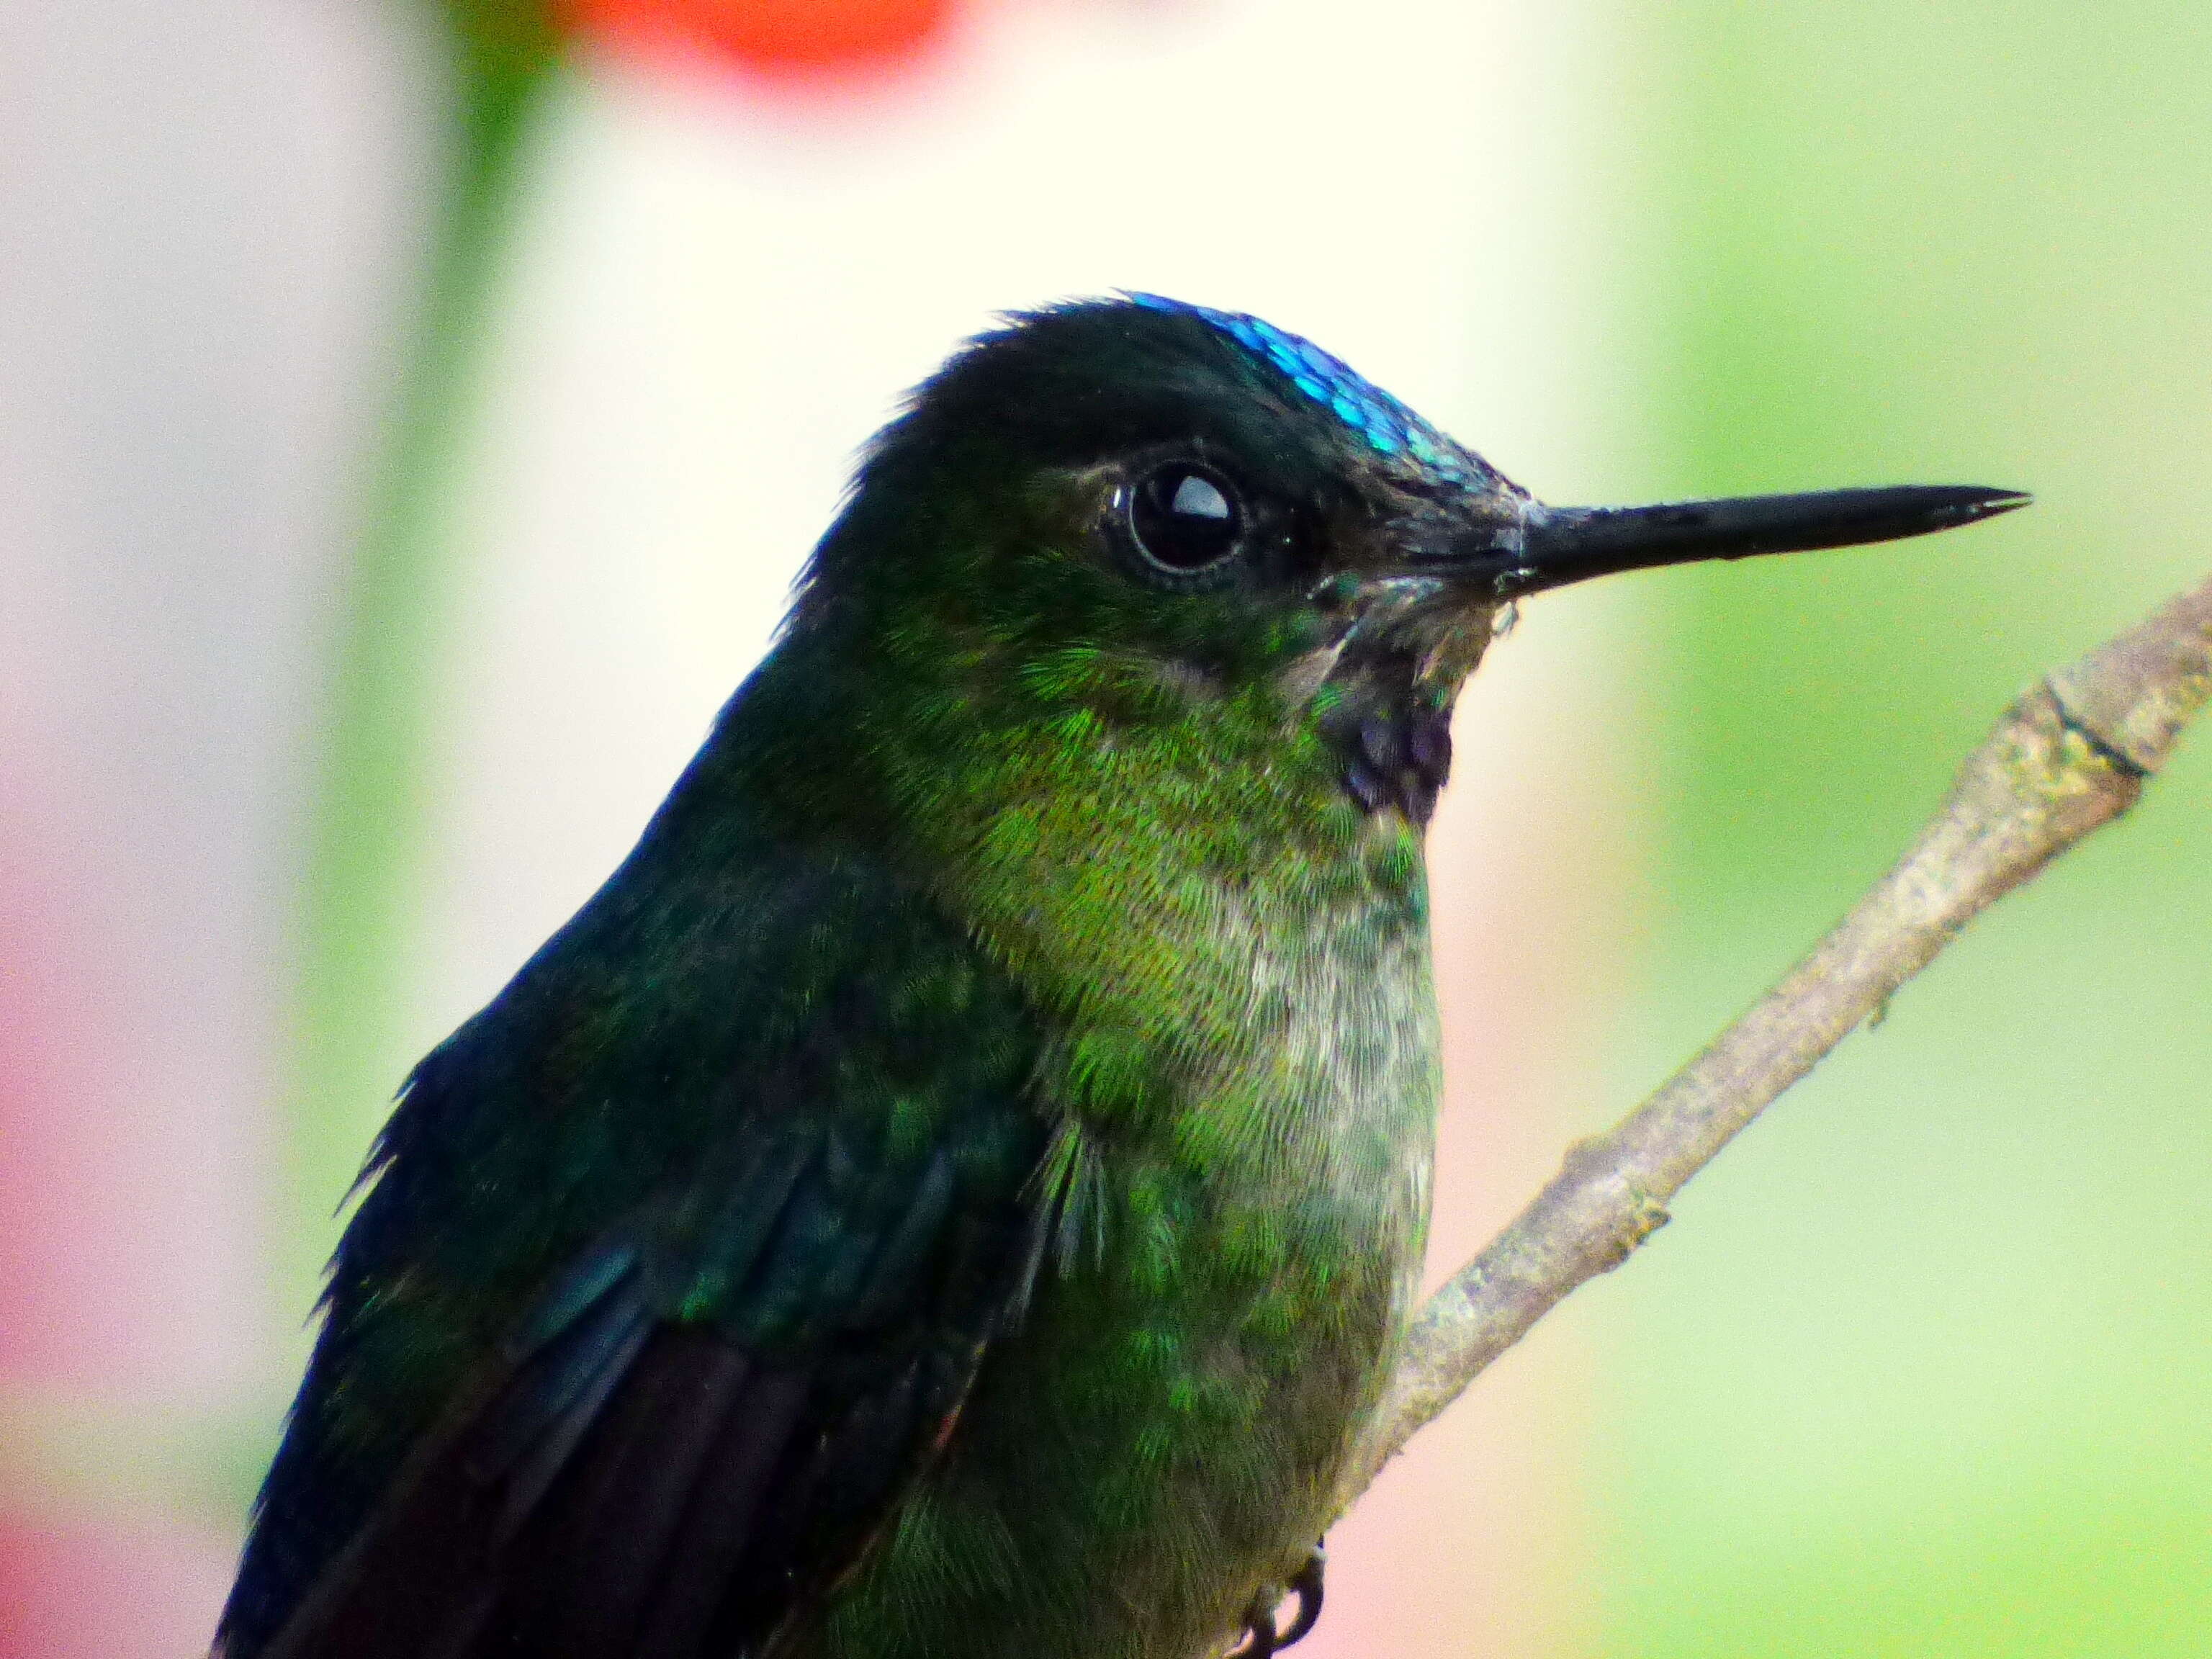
[2070,757]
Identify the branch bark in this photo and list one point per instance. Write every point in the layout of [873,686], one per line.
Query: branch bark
[2067,758]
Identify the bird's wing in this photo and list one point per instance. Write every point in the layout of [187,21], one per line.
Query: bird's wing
[704,1412]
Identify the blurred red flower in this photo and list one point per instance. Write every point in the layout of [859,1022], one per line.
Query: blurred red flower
[789,37]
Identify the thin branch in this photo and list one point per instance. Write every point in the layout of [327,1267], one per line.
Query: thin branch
[2068,757]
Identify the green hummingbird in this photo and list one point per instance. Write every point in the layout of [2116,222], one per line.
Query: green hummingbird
[957,1189]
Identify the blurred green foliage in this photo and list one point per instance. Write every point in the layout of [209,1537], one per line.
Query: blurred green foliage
[1921,1368]
[370,806]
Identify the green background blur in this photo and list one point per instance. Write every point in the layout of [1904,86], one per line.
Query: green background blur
[1928,1369]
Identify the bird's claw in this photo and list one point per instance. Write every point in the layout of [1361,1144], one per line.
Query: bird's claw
[1307,1583]
[1259,1640]
[1262,1639]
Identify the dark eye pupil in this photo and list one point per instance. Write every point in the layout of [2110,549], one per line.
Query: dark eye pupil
[1185,517]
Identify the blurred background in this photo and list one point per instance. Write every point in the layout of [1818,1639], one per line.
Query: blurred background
[411,420]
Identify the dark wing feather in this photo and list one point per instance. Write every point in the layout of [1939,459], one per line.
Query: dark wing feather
[699,1416]
[648,1477]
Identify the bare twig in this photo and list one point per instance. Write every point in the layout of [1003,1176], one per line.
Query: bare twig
[2070,756]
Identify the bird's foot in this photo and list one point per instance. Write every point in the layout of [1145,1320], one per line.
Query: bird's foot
[1263,1637]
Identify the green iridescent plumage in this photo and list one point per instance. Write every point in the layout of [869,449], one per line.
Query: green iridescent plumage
[957,1188]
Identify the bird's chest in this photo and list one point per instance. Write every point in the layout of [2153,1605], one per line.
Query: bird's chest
[1269,1229]
[1262,1178]
[1255,1239]
[1250,1082]
[1164,1434]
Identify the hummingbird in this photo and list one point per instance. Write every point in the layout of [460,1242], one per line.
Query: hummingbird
[958,1189]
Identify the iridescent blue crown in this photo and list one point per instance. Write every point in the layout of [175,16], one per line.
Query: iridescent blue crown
[1387,425]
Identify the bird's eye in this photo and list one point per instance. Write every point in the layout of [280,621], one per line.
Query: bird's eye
[1185,517]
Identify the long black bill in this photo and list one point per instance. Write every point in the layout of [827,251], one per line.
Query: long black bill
[1562,544]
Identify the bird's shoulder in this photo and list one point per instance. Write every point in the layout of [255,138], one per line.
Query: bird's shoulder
[756,1134]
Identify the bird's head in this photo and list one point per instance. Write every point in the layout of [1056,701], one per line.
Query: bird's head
[1126,511]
